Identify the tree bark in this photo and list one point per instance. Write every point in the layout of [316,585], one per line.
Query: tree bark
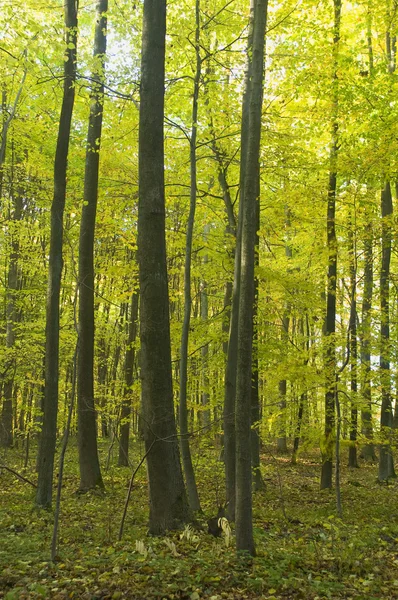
[182,405]
[45,461]
[367,451]
[258,482]
[244,523]
[129,380]
[330,320]
[6,428]
[90,471]
[232,355]
[386,464]
[352,451]
[168,501]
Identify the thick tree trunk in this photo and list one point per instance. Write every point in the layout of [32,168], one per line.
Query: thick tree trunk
[168,501]
[90,472]
[45,461]
[386,464]
[330,320]
[244,523]
[129,380]
[183,409]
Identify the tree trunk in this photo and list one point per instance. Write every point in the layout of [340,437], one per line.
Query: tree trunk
[6,427]
[258,482]
[6,415]
[232,356]
[168,501]
[183,410]
[330,320]
[352,451]
[244,523]
[386,465]
[367,451]
[129,380]
[90,472]
[281,444]
[45,460]
[205,383]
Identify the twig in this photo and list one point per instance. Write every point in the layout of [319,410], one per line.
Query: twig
[131,487]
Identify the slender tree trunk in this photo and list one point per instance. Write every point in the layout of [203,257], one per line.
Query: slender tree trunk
[281,444]
[232,356]
[368,451]
[183,410]
[296,442]
[129,380]
[304,396]
[45,461]
[386,464]
[330,320]
[204,315]
[103,356]
[352,451]
[244,524]
[6,427]
[90,472]
[258,482]
[168,501]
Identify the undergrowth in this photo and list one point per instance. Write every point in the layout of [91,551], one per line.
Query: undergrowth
[303,550]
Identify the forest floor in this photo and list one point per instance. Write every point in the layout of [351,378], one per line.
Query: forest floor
[303,550]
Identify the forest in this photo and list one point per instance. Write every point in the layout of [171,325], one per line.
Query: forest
[199,299]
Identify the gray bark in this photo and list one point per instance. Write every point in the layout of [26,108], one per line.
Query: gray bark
[45,461]
[168,501]
[386,464]
[232,355]
[244,524]
[330,320]
[352,451]
[367,451]
[90,471]
[129,380]
[183,410]
[6,425]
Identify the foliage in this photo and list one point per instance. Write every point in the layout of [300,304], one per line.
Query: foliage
[303,550]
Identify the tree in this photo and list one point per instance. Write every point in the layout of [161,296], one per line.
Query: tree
[330,320]
[45,461]
[232,350]
[244,531]
[168,501]
[15,211]
[90,472]
[367,452]
[386,464]
[129,380]
[353,350]
[183,410]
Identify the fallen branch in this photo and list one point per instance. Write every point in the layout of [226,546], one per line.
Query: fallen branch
[21,477]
